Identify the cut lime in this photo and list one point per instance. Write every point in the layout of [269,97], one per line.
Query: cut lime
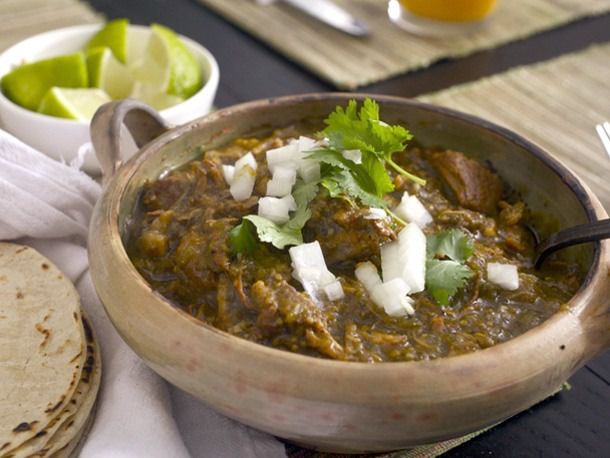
[114,36]
[151,96]
[78,104]
[107,73]
[168,65]
[27,84]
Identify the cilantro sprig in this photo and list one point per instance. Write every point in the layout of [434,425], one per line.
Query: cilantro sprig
[446,272]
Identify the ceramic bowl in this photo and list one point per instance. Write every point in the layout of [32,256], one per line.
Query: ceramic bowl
[61,138]
[334,405]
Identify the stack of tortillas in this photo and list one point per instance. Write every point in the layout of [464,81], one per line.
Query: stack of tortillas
[50,364]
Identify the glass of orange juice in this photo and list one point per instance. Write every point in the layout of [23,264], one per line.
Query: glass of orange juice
[440,17]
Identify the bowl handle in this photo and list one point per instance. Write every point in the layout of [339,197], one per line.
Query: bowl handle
[143,122]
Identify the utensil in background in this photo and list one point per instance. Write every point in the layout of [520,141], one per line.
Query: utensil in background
[589,232]
[329,13]
[603,130]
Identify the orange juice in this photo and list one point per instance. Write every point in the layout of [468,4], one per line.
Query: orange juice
[450,10]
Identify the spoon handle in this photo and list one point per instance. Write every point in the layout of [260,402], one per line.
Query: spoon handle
[589,232]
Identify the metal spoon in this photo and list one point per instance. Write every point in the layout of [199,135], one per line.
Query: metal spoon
[589,232]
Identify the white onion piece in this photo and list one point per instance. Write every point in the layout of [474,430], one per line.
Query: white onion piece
[247,159]
[282,182]
[504,275]
[228,171]
[243,183]
[375,213]
[307,255]
[286,155]
[334,291]
[311,271]
[309,170]
[391,264]
[306,144]
[412,210]
[354,155]
[389,295]
[407,303]
[367,274]
[274,209]
[290,202]
[412,253]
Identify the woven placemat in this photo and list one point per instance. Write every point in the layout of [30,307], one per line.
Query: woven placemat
[349,62]
[20,19]
[555,104]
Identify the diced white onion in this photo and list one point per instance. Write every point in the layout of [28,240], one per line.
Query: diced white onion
[307,255]
[391,264]
[290,202]
[390,296]
[375,213]
[407,304]
[334,291]
[247,159]
[309,170]
[412,253]
[286,155]
[504,275]
[282,182]
[274,209]
[354,155]
[412,210]
[311,271]
[228,171]
[306,144]
[367,274]
[243,182]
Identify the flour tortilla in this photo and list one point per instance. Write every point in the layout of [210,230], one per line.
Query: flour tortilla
[42,343]
[69,423]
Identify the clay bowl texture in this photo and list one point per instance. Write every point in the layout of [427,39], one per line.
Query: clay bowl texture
[331,405]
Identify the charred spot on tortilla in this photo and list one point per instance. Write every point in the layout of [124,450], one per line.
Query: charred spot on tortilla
[23,426]
[88,331]
[19,295]
[21,249]
[6,444]
[45,266]
[40,433]
[57,405]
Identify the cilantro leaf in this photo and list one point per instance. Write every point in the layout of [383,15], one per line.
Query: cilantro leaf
[444,278]
[242,239]
[445,269]
[279,236]
[349,129]
[453,244]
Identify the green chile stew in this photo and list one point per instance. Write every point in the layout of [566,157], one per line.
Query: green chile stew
[180,244]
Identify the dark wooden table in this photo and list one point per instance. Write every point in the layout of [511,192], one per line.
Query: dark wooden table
[575,423]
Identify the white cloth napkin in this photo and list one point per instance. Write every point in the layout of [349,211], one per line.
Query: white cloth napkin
[47,205]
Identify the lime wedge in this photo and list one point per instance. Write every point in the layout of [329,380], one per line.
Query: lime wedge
[168,65]
[27,84]
[78,104]
[114,36]
[154,98]
[108,74]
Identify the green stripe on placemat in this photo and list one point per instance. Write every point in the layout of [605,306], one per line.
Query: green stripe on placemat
[349,62]
[555,104]
[20,19]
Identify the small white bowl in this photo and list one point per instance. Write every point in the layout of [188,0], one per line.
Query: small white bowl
[61,138]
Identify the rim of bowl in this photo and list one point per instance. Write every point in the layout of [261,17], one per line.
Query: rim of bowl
[566,176]
[209,85]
